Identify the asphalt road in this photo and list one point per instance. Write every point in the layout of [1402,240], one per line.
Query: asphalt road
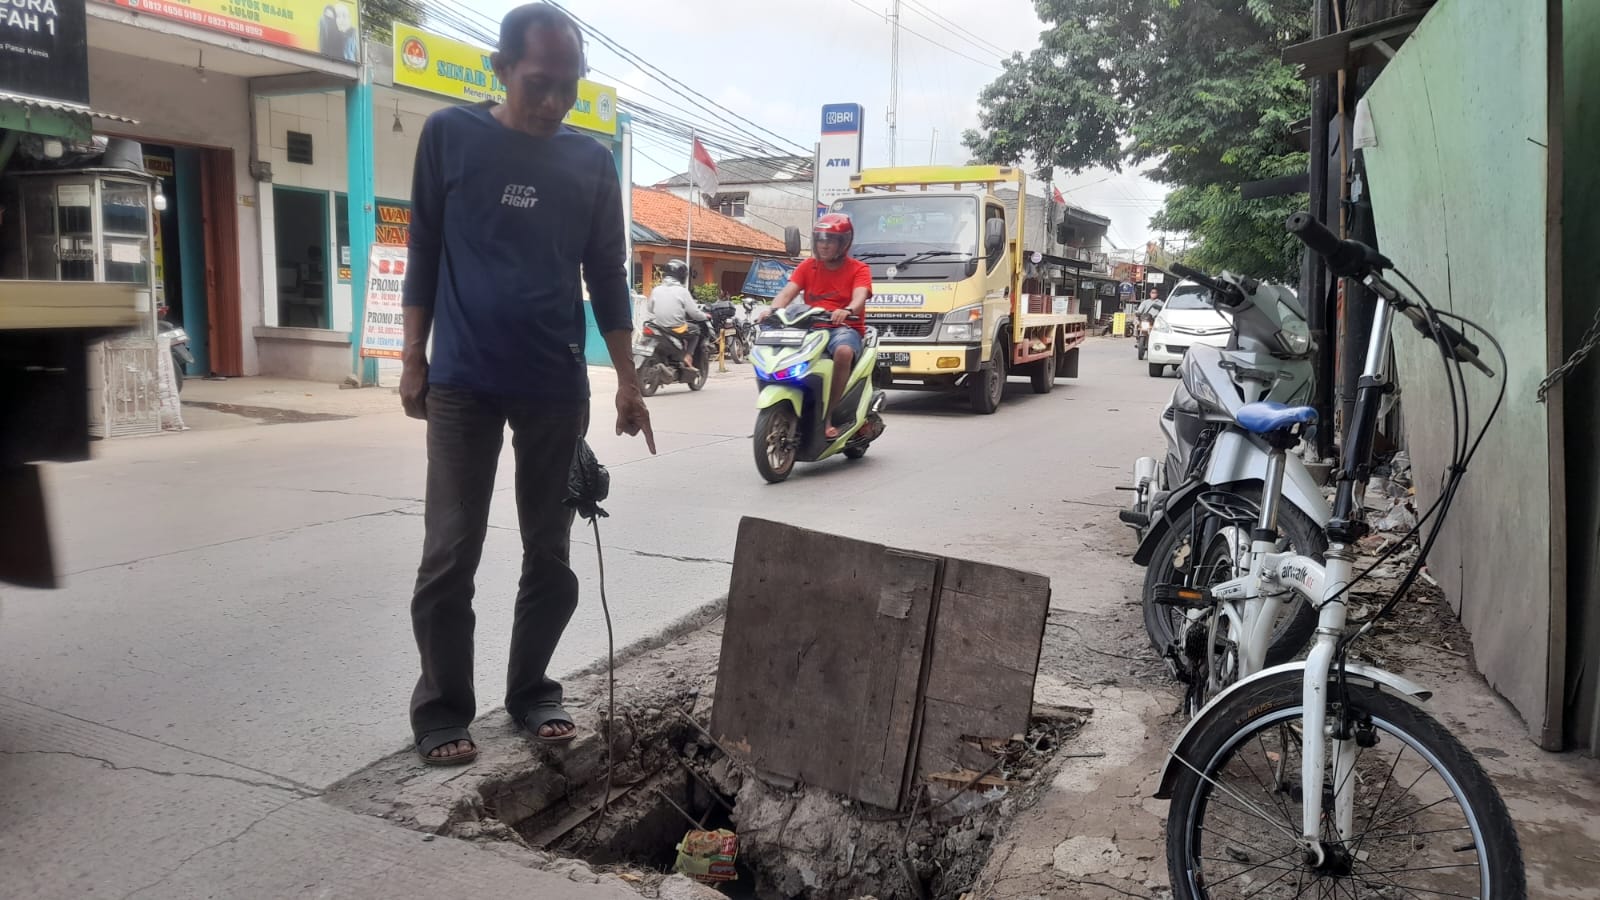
[238,597]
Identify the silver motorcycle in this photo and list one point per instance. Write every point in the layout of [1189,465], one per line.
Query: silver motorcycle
[1193,509]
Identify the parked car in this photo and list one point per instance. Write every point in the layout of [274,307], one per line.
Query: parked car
[1186,319]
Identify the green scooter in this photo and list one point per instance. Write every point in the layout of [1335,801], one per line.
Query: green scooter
[796,375]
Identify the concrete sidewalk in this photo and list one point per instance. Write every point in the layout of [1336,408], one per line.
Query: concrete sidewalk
[196,826]
[212,404]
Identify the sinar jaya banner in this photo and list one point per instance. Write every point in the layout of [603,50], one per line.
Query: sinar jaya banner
[327,27]
[383,332]
[461,71]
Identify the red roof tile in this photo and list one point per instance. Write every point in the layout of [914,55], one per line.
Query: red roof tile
[668,216]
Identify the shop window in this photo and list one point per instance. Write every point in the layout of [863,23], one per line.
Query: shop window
[341,234]
[301,237]
[299,148]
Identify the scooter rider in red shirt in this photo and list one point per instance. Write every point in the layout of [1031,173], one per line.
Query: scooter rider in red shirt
[832,280]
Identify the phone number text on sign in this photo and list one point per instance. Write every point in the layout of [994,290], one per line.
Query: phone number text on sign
[383,333]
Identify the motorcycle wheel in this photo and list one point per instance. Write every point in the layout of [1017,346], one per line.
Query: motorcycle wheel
[1294,626]
[855,452]
[699,379]
[648,382]
[777,433]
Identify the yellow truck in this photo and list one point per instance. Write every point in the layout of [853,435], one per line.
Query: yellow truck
[959,301]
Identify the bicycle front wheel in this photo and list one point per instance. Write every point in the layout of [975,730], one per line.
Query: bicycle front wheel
[1428,821]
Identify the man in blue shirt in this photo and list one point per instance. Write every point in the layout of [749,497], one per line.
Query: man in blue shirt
[508,207]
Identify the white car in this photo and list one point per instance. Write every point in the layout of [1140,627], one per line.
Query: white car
[1185,319]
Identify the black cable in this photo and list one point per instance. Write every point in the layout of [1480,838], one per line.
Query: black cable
[611,668]
[1462,453]
[661,76]
[983,45]
[460,19]
[944,47]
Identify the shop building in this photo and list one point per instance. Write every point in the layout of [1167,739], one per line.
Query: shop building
[186,74]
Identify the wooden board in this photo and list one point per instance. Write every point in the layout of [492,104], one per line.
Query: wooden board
[983,662]
[822,655]
[69,304]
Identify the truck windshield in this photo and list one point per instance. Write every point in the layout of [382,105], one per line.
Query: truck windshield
[925,238]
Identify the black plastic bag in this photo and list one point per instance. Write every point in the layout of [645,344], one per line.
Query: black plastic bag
[588,484]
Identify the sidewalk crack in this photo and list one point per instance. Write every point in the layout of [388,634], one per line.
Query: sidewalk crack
[300,793]
[208,848]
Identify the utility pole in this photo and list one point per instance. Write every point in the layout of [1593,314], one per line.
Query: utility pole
[894,80]
[933,146]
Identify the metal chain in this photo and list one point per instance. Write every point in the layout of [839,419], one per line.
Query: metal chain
[1591,339]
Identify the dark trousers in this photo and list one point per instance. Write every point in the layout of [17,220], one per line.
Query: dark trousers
[465,434]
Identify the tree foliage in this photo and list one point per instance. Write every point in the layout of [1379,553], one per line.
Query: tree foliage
[1196,87]
[378,17]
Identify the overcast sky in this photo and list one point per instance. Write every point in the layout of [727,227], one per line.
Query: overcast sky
[776,62]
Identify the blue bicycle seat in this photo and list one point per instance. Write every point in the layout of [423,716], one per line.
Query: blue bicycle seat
[1269,417]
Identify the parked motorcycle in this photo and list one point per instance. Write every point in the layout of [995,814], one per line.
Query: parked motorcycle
[1193,508]
[181,357]
[725,323]
[658,357]
[796,375]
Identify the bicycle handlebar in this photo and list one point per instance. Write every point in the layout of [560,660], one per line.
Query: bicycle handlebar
[1345,257]
[1354,259]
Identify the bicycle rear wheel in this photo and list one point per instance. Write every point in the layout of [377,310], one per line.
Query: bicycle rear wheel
[1428,821]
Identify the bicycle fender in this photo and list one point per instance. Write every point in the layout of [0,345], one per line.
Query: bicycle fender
[774,394]
[1289,671]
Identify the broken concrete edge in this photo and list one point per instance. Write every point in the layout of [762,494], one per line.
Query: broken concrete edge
[681,667]
[692,621]
[517,785]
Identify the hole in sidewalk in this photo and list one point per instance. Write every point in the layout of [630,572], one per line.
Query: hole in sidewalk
[671,779]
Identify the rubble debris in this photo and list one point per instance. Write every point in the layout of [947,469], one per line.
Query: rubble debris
[682,887]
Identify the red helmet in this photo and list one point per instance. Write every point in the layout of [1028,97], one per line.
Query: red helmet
[835,230]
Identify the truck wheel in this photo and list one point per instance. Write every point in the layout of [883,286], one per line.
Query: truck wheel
[776,438]
[1044,374]
[988,384]
[1157,370]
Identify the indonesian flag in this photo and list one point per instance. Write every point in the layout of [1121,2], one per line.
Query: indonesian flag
[702,169]
[1060,200]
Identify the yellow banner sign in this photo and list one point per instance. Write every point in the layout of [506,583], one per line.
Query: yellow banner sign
[461,71]
[328,27]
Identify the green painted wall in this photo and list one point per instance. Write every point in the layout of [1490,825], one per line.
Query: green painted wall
[1459,180]
[1580,396]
